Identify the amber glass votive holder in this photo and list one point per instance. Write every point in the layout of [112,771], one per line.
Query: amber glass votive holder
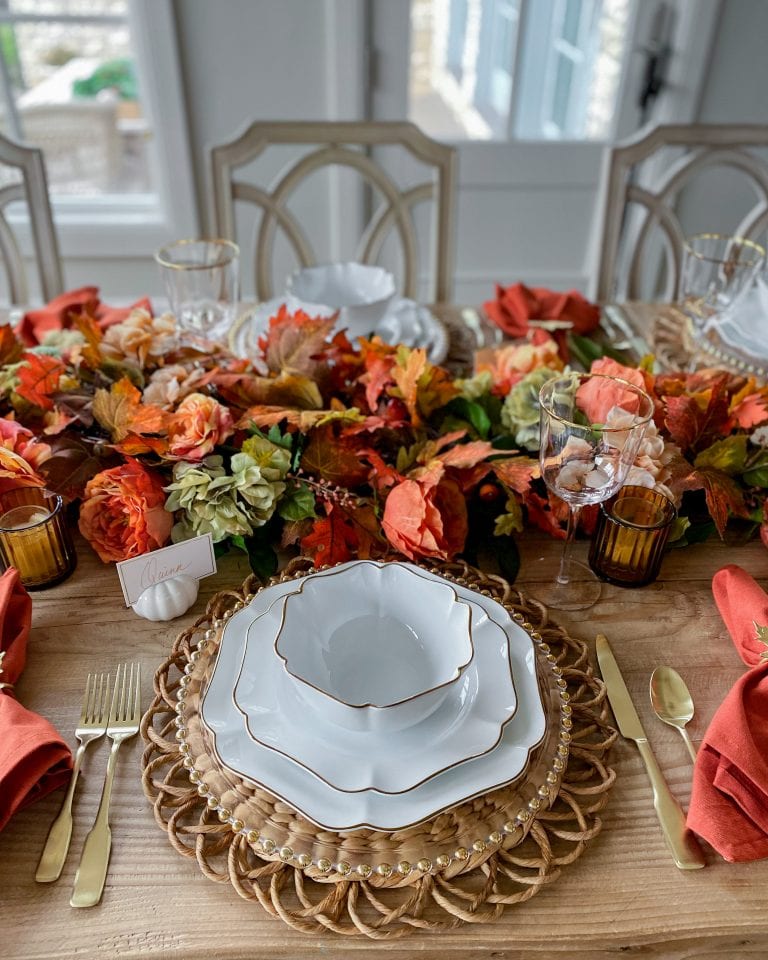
[34,537]
[632,531]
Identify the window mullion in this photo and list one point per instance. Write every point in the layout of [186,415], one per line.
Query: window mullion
[517,69]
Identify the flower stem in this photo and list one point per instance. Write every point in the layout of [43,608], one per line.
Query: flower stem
[573,522]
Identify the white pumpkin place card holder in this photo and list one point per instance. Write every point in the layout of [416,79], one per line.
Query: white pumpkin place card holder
[164,584]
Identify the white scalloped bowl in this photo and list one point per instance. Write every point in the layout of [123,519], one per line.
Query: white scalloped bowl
[362,293]
[374,647]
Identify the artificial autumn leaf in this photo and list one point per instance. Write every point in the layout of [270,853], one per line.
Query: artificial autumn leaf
[91,331]
[120,411]
[694,421]
[422,387]
[333,458]
[70,406]
[382,475]
[295,341]
[285,390]
[134,444]
[749,411]
[723,494]
[511,521]
[343,534]
[73,462]
[39,377]
[264,415]
[516,473]
[466,455]
[378,359]
[11,348]
[728,455]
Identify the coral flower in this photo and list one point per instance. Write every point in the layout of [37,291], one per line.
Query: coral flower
[199,424]
[426,516]
[122,514]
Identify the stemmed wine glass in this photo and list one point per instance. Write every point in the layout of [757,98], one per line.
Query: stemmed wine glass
[591,428]
[715,273]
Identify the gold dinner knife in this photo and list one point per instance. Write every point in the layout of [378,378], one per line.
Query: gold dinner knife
[683,846]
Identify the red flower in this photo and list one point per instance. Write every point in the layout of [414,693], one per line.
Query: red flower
[426,516]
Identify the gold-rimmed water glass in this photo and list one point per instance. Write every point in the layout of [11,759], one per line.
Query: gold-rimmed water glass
[716,271]
[591,428]
[202,282]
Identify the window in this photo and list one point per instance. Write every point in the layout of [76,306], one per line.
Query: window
[524,69]
[83,79]
[69,85]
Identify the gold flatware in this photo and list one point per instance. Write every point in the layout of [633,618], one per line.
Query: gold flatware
[672,702]
[683,846]
[124,717]
[92,726]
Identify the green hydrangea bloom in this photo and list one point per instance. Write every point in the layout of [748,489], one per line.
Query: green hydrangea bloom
[520,412]
[273,461]
[208,497]
[472,388]
[251,481]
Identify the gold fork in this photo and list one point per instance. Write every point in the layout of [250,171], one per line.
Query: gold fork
[92,725]
[124,717]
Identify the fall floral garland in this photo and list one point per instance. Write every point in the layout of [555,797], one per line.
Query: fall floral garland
[338,449]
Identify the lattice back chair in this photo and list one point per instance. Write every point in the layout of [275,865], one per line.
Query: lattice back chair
[23,178]
[640,213]
[340,145]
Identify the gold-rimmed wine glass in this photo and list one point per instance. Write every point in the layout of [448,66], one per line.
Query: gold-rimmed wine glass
[591,428]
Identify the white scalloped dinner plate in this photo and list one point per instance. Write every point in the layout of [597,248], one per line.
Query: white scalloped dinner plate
[341,811]
[404,322]
[464,726]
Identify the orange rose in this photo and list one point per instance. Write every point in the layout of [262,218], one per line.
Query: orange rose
[426,516]
[509,364]
[123,512]
[597,397]
[200,422]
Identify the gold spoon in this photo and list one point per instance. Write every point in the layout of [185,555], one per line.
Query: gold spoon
[672,701]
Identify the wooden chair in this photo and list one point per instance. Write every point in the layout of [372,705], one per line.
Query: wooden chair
[339,144]
[643,178]
[17,160]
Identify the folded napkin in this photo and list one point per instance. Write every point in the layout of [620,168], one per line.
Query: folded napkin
[729,799]
[514,306]
[33,758]
[60,312]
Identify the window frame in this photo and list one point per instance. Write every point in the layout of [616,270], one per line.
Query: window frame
[133,225]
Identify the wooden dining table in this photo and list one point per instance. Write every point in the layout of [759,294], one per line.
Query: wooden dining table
[622,897]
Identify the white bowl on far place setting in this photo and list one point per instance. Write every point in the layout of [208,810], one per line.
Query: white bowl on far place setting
[374,647]
[361,293]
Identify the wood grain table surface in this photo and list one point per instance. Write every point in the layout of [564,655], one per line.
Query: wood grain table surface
[623,897]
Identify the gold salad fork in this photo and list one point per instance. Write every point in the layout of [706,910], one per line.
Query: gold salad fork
[124,717]
[92,725]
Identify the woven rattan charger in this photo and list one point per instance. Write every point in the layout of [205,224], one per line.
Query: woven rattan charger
[488,852]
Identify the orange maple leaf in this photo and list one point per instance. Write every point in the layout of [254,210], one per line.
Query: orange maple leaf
[90,329]
[517,472]
[120,411]
[295,341]
[39,377]
[334,458]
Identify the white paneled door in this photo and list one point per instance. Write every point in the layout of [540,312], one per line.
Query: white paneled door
[530,92]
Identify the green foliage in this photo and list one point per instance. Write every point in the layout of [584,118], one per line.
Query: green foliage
[118,75]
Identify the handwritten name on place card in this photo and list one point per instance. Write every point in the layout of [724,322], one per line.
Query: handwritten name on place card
[195,558]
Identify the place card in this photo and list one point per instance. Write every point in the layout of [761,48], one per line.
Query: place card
[195,558]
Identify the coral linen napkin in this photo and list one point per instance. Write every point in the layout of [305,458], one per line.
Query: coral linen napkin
[729,800]
[33,758]
[514,306]
[59,313]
